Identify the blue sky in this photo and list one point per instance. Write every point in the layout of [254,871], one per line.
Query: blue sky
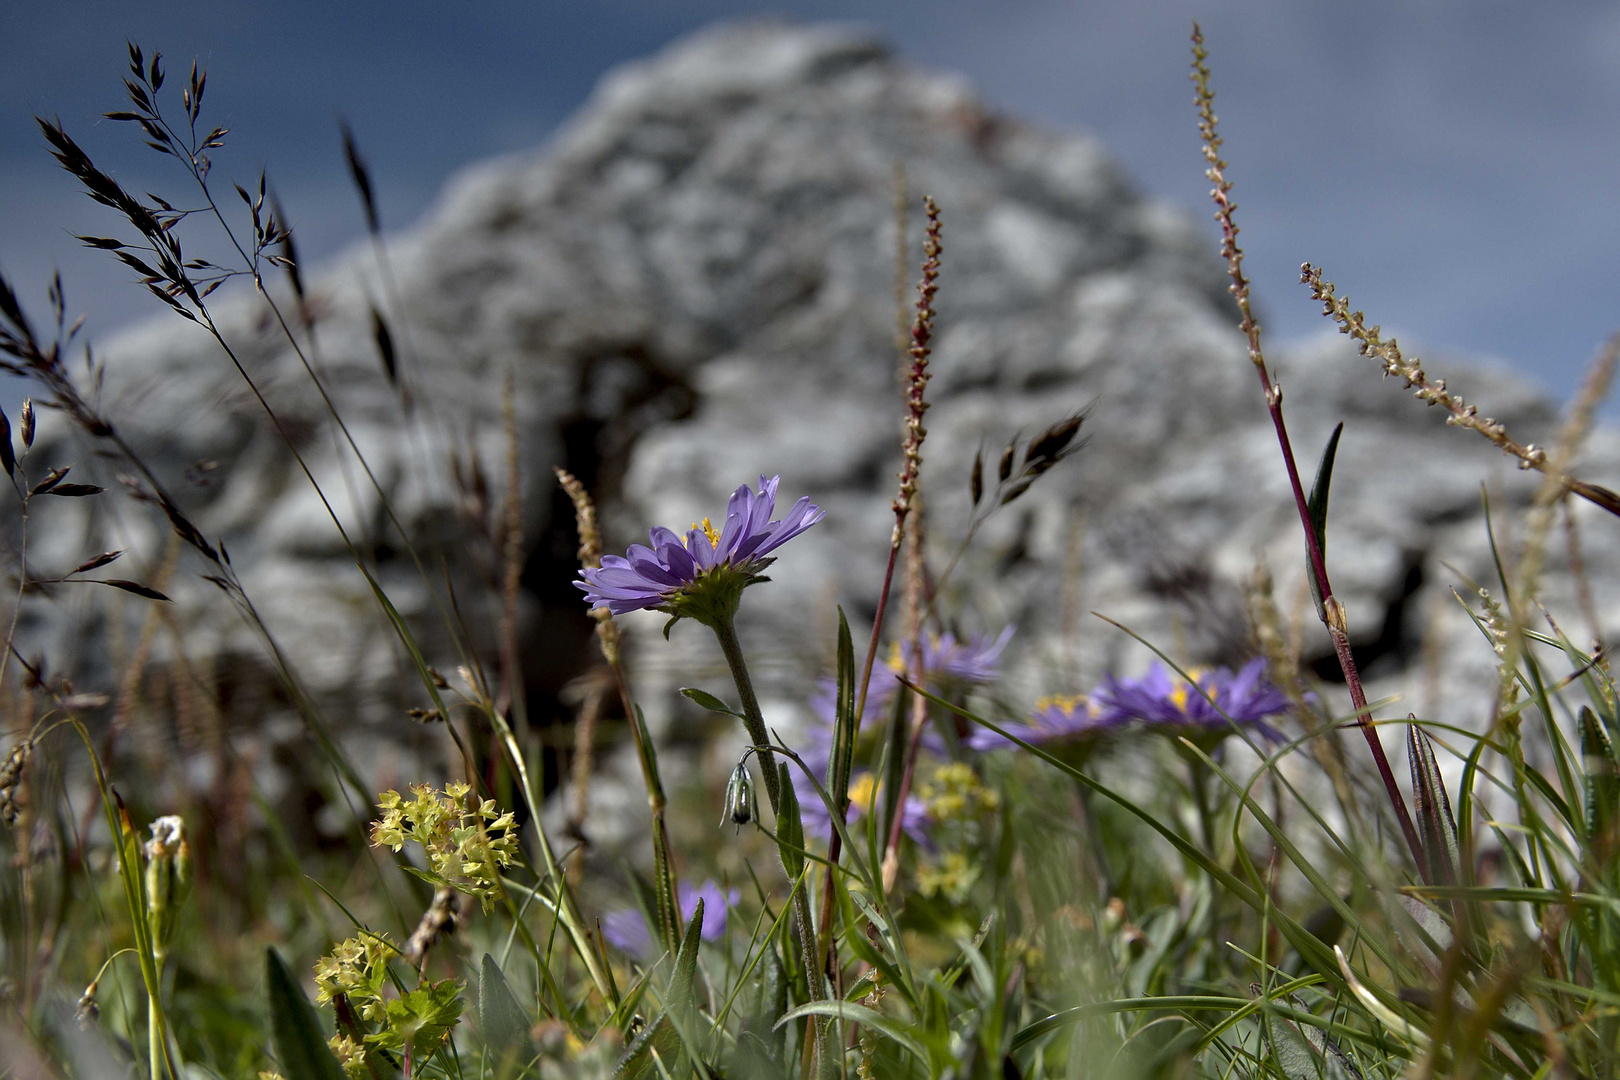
[1454,165]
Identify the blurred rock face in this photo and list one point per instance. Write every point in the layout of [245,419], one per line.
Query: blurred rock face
[695,284]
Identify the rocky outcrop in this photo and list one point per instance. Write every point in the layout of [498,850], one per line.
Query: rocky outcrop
[694,284]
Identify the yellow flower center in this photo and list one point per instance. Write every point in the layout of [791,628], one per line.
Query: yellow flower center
[1178,696]
[1066,702]
[897,661]
[708,530]
[862,789]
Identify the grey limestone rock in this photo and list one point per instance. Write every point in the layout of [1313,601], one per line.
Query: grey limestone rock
[694,284]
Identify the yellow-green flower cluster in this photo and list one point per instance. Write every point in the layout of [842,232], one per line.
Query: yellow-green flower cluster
[351,1054]
[955,793]
[357,969]
[466,841]
[951,877]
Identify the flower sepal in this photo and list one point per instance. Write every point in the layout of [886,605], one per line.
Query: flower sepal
[714,596]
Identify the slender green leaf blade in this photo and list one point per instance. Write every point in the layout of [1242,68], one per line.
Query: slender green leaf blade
[860,1014]
[706,700]
[295,1029]
[681,996]
[789,827]
[1602,788]
[1437,827]
[1317,504]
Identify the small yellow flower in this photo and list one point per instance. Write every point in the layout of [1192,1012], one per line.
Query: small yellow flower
[955,793]
[350,1054]
[466,842]
[952,877]
[357,969]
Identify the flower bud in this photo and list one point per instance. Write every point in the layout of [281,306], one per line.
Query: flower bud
[87,1012]
[168,879]
[742,803]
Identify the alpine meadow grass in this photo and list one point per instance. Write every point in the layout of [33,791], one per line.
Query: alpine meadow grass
[1183,872]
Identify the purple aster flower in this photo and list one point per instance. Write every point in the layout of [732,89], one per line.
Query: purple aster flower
[626,928]
[1064,719]
[818,734]
[946,662]
[702,575]
[1163,699]
[817,755]
[976,660]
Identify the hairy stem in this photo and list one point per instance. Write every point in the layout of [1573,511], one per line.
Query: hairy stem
[725,631]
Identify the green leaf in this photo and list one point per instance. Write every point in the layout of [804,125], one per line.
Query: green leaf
[893,767]
[771,1004]
[1317,504]
[680,999]
[846,725]
[706,700]
[1307,1053]
[656,1039]
[649,756]
[500,1017]
[1437,828]
[1602,789]
[860,1014]
[789,828]
[662,1048]
[422,1019]
[295,1030]
[628,1004]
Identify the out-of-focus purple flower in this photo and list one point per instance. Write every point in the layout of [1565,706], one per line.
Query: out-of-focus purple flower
[673,569]
[1163,699]
[976,660]
[1060,719]
[818,734]
[817,819]
[945,660]
[626,928]
[946,664]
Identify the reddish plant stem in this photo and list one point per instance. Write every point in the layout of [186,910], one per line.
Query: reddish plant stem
[1333,616]
[1337,627]
[906,505]
[915,567]
[917,376]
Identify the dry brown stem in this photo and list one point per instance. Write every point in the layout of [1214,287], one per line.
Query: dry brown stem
[511,694]
[438,921]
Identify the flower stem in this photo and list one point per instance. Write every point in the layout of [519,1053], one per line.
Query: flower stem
[154,1036]
[1333,617]
[725,631]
